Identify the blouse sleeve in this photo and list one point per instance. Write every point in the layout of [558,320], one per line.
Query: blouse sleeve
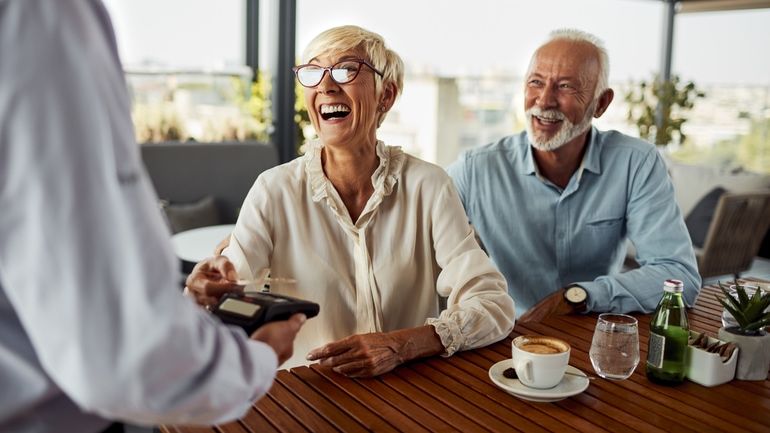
[479,310]
[251,243]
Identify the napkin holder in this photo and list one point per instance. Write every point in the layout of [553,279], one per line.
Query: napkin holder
[707,368]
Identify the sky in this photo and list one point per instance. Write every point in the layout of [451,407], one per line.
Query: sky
[451,37]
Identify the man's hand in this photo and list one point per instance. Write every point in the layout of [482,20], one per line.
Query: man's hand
[280,335]
[210,279]
[367,355]
[552,305]
[224,243]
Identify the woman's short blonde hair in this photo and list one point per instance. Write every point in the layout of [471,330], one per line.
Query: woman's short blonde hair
[348,38]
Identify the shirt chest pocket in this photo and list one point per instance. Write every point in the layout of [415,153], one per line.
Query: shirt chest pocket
[605,223]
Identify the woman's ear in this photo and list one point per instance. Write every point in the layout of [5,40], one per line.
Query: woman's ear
[388,96]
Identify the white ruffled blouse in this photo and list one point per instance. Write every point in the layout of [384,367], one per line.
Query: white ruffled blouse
[386,271]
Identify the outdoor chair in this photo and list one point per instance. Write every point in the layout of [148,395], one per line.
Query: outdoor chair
[734,236]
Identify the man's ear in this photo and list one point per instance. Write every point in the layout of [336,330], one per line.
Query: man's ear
[604,101]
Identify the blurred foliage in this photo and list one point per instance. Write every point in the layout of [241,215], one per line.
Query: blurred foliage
[676,97]
[255,107]
[750,152]
[303,129]
[238,109]
[157,122]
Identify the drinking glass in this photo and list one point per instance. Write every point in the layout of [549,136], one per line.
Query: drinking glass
[615,347]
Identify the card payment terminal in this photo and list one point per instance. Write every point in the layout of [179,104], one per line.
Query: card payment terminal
[254,309]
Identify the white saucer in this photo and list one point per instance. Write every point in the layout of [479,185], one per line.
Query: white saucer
[570,385]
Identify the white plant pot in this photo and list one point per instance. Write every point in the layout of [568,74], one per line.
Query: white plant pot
[754,356]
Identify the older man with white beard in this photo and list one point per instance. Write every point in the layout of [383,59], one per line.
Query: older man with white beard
[555,205]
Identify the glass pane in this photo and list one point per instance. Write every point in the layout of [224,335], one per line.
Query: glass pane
[185,67]
[729,128]
[465,60]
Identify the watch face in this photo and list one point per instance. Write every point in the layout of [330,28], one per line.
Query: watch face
[575,294]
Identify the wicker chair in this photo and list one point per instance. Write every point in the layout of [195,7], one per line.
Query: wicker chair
[735,234]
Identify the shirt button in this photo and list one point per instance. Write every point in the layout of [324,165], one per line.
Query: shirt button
[561,235]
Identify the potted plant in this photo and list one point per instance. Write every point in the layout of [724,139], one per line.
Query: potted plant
[749,335]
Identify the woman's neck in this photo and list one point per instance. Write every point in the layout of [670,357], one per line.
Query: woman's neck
[350,170]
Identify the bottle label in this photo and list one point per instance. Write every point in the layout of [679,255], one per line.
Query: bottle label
[657,346]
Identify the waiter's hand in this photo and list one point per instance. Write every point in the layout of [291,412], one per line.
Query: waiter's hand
[280,335]
[210,279]
[552,305]
[367,355]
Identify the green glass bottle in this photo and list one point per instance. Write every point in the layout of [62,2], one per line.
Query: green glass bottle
[669,332]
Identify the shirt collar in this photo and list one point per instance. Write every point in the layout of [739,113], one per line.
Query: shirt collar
[384,178]
[591,158]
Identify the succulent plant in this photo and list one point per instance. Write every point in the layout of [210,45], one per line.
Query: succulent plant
[749,312]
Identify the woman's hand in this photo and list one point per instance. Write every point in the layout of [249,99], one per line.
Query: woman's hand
[224,243]
[210,279]
[366,355]
[280,335]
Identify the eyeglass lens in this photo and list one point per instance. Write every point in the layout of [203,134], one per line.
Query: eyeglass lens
[341,73]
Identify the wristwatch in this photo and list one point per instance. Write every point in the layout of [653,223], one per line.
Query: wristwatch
[576,297]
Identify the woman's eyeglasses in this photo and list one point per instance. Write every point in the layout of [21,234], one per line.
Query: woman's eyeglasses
[343,72]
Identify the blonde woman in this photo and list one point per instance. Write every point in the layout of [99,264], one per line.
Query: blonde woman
[372,234]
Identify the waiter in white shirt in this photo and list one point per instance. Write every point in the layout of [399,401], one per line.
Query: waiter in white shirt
[92,327]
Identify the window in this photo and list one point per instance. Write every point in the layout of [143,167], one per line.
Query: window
[465,60]
[730,127]
[186,72]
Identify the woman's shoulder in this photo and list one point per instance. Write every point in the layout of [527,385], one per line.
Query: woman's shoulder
[283,176]
[417,171]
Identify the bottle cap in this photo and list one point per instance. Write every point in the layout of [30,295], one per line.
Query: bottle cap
[673,286]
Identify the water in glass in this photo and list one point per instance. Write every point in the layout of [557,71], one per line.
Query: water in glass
[615,347]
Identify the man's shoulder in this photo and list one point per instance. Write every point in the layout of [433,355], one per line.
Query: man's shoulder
[617,144]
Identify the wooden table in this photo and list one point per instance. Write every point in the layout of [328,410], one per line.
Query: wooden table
[456,394]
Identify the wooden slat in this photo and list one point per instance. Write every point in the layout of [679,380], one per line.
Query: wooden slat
[232,427]
[355,401]
[255,422]
[412,396]
[281,419]
[363,397]
[454,402]
[299,410]
[333,414]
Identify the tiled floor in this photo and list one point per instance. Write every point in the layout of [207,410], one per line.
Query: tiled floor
[759,269]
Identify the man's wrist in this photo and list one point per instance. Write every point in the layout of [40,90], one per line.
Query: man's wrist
[576,296]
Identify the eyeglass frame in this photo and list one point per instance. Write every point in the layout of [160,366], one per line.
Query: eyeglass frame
[324,69]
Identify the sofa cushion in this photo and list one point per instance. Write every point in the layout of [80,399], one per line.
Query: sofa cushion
[187,216]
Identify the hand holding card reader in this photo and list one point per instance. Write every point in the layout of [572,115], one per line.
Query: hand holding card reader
[252,310]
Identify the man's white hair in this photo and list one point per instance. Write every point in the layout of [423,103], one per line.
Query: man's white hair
[604,59]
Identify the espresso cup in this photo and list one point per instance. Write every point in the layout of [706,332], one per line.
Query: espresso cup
[540,361]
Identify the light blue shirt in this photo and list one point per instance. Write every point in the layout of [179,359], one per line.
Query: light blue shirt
[544,238]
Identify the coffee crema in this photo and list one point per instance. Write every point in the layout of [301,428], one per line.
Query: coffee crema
[540,348]
[543,346]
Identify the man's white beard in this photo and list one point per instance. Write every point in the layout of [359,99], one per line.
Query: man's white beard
[565,134]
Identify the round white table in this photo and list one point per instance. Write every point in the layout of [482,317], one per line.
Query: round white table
[197,244]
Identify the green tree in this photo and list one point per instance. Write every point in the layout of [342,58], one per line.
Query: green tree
[676,99]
